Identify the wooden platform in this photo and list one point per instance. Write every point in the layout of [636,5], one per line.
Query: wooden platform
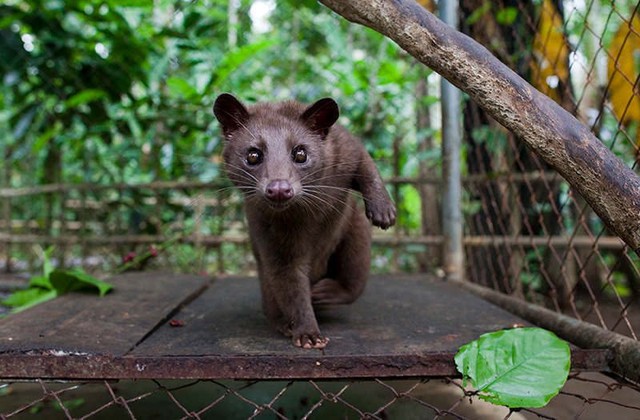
[161,326]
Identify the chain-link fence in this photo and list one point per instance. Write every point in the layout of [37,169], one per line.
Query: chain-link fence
[538,237]
[584,396]
[527,234]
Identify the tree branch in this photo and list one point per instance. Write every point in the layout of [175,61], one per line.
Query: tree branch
[611,188]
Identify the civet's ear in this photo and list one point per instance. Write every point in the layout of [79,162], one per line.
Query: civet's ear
[230,113]
[320,116]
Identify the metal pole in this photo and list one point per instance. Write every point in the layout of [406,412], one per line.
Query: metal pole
[453,251]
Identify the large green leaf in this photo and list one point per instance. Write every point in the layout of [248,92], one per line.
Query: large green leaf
[24,299]
[523,367]
[64,281]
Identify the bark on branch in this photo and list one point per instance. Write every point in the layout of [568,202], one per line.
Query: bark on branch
[611,188]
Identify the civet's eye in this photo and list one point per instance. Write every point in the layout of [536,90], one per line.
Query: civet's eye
[254,156]
[299,154]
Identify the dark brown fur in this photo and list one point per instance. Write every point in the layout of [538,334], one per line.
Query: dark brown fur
[310,240]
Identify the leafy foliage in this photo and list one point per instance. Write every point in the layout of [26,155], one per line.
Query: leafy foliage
[52,283]
[523,367]
[121,92]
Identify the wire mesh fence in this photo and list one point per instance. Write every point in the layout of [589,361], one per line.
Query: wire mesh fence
[527,232]
[585,396]
[558,252]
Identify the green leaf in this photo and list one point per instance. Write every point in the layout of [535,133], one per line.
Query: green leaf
[43,139]
[64,281]
[429,100]
[47,265]
[410,205]
[84,97]
[180,87]
[391,72]
[239,56]
[507,16]
[41,282]
[7,21]
[23,299]
[523,367]
[479,13]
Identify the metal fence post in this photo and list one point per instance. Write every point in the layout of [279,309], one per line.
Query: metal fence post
[453,252]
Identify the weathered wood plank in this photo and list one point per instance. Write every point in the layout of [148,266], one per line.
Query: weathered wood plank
[86,324]
[402,327]
[395,316]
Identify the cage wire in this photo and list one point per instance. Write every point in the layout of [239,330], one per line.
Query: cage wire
[527,233]
[586,395]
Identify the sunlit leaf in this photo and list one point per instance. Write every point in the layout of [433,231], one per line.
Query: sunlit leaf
[523,367]
[24,299]
[507,16]
[180,87]
[410,206]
